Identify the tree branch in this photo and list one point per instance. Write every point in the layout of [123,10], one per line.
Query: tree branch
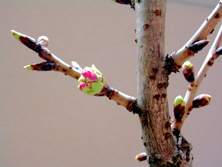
[184,53]
[74,71]
[152,81]
[194,85]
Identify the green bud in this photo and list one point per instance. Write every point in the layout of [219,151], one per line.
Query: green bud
[179,101]
[188,71]
[16,34]
[179,107]
[91,81]
[28,67]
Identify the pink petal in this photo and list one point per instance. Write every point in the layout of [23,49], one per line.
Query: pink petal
[82,85]
[91,75]
[89,84]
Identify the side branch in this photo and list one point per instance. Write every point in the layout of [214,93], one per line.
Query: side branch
[213,53]
[74,70]
[186,52]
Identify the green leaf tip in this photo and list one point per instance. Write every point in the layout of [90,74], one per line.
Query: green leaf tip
[188,64]
[28,67]
[179,100]
[208,98]
[16,34]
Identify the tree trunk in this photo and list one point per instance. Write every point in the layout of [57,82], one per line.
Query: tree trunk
[152,80]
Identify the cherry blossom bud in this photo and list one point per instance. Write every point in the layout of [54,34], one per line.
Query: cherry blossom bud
[201,100]
[141,157]
[91,81]
[188,71]
[179,108]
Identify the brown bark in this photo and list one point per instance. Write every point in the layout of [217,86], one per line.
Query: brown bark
[152,81]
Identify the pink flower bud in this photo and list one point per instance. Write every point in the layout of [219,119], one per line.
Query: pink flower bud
[86,73]
[91,81]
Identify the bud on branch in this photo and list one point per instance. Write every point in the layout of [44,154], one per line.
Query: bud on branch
[188,71]
[201,100]
[179,108]
[141,157]
[91,81]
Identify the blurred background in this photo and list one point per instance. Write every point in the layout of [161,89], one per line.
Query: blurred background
[45,121]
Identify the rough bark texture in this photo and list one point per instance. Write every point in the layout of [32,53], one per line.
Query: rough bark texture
[152,81]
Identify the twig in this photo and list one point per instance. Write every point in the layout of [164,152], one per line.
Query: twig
[56,64]
[193,87]
[183,54]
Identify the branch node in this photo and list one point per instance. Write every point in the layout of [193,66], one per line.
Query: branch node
[176,132]
[133,106]
[167,135]
[168,124]
[170,65]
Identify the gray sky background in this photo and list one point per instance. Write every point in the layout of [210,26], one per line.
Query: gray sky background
[209,3]
[45,121]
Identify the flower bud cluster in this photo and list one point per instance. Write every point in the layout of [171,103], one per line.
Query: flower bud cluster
[91,81]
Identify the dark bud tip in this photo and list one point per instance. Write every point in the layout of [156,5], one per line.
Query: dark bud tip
[199,45]
[126,2]
[219,51]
